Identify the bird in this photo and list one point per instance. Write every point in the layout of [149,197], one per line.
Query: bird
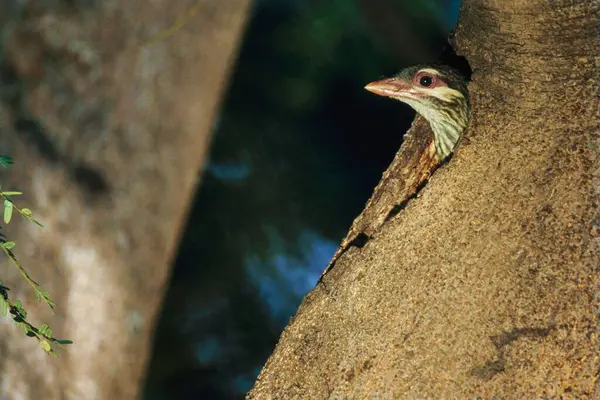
[439,93]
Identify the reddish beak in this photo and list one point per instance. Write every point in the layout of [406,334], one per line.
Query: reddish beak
[390,87]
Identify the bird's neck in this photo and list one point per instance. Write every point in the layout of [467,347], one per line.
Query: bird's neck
[446,135]
[447,124]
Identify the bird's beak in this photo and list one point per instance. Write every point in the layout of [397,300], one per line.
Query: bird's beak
[390,87]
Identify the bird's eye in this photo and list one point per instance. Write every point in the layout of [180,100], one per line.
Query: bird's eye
[426,81]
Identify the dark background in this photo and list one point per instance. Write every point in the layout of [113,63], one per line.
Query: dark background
[298,148]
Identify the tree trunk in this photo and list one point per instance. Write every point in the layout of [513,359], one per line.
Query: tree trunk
[108,136]
[486,285]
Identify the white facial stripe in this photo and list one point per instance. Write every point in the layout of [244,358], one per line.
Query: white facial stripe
[429,71]
[443,93]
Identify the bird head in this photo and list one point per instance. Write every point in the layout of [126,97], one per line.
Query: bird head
[439,93]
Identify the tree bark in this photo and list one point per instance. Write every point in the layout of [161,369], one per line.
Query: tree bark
[108,135]
[486,285]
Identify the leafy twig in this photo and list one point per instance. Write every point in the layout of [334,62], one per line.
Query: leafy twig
[43,334]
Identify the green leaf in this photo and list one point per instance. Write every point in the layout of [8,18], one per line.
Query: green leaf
[25,328]
[8,245]
[11,193]
[45,330]
[8,208]
[3,306]
[41,294]
[6,161]
[26,212]
[63,341]
[18,308]
[46,346]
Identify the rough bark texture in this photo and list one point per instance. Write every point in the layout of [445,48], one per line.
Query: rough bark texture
[486,285]
[410,169]
[108,136]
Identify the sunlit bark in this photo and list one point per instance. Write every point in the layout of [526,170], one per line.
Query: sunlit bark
[486,284]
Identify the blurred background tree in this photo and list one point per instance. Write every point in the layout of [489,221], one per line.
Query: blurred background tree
[108,136]
[297,150]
